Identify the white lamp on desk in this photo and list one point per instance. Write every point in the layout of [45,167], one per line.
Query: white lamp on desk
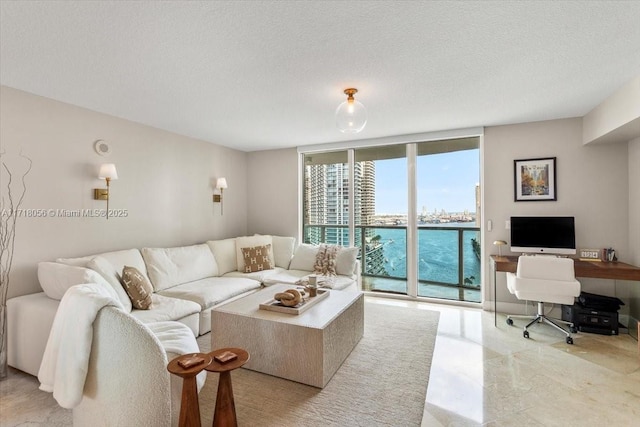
[499,244]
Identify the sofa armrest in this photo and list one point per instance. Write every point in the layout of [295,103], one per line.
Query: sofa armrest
[29,320]
[127,377]
[358,274]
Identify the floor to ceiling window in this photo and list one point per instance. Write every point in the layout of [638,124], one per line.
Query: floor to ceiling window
[381,226]
[362,197]
[448,201]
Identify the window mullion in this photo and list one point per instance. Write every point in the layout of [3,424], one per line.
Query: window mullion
[352,196]
[412,223]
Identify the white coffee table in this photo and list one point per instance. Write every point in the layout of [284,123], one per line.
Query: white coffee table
[307,348]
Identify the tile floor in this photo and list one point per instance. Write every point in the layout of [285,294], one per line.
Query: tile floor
[480,375]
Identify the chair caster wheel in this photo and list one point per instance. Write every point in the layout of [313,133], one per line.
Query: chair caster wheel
[573,330]
[509,321]
[525,334]
[569,340]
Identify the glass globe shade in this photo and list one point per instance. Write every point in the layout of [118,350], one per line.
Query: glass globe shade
[351,116]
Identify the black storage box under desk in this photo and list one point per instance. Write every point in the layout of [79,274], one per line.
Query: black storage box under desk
[591,320]
[599,302]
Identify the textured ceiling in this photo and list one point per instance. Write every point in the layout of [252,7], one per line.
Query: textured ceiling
[262,75]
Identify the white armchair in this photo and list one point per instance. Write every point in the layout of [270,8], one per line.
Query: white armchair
[544,278]
[127,380]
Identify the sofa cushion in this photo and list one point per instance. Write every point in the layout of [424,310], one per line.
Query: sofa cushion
[168,267]
[335,282]
[290,277]
[283,248]
[211,291]
[346,260]
[137,287]
[165,308]
[78,262]
[56,278]
[260,276]
[257,258]
[304,257]
[250,242]
[110,265]
[224,252]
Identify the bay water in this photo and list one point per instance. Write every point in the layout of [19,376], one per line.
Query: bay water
[437,253]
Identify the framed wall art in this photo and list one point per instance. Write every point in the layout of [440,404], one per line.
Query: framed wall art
[535,179]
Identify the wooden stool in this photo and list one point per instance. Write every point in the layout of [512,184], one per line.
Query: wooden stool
[189,406]
[225,412]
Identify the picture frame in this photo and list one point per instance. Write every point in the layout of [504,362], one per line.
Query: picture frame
[535,179]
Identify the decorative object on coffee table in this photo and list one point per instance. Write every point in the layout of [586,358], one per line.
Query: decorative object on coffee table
[304,305]
[288,298]
[312,287]
[313,291]
[225,412]
[188,366]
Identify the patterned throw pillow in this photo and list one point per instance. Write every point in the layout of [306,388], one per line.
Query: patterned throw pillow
[138,288]
[326,260]
[257,258]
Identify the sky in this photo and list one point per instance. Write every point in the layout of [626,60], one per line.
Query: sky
[444,181]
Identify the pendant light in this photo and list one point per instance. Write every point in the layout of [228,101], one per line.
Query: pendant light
[351,116]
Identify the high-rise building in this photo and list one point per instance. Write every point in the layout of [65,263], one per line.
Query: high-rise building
[327,200]
[327,203]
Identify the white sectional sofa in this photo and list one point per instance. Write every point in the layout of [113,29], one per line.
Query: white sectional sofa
[188,282]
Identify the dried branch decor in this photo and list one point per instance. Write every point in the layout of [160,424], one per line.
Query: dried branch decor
[9,213]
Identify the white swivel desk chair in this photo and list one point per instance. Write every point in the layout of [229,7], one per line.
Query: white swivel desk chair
[544,278]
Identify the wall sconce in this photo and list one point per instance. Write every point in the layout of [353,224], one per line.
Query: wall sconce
[107,172]
[499,244]
[221,184]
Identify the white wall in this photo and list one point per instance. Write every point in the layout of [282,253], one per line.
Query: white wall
[616,119]
[165,184]
[633,288]
[272,194]
[634,201]
[592,185]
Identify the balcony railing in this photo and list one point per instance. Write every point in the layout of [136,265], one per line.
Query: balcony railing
[447,255]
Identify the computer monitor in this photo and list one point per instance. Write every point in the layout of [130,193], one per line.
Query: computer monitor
[543,234]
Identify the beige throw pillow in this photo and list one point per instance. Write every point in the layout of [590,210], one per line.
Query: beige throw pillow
[138,288]
[251,242]
[257,258]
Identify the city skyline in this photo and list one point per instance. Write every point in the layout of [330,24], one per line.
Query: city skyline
[445,181]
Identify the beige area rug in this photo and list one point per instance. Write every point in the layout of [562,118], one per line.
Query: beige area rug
[383,382]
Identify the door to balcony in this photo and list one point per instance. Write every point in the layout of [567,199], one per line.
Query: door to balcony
[363,197]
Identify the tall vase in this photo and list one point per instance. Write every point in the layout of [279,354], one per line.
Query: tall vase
[3,341]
